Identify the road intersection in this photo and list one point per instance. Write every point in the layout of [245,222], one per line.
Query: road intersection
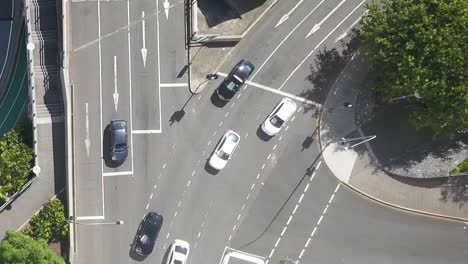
[275,198]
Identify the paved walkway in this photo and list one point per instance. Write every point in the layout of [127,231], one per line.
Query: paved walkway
[358,167]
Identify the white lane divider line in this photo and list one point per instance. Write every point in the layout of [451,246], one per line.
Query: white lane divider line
[280,137]
[220,123]
[291,216]
[319,221]
[227,113]
[117,173]
[214,133]
[232,105]
[275,146]
[151,196]
[154,131]
[164,166]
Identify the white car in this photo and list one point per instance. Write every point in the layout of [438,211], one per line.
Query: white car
[224,149]
[279,116]
[179,252]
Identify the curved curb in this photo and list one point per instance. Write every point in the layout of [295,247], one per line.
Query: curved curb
[371,197]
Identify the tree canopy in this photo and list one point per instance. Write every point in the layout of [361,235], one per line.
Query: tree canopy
[15,158]
[421,46]
[21,249]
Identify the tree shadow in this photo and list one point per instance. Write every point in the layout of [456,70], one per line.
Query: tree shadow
[217,12]
[456,190]
[326,68]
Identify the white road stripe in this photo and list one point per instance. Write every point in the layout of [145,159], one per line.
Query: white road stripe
[117,173]
[97,217]
[266,88]
[156,131]
[173,85]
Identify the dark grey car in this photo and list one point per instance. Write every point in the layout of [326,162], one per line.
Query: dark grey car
[118,140]
[235,79]
[148,234]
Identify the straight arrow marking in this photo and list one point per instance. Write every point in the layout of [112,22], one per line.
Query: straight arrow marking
[286,16]
[317,26]
[116,94]
[345,33]
[87,140]
[166,6]
[144,51]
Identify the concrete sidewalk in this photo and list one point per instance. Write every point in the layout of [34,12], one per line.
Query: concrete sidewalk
[359,168]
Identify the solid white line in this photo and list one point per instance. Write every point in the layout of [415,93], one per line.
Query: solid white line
[320,43]
[317,26]
[100,217]
[100,102]
[130,80]
[146,132]
[115,80]
[173,85]
[159,64]
[118,173]
[266,88]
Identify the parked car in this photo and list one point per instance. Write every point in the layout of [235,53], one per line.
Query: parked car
[235,79]
[279,116]
[224,150]
[148,234]
[118,140]
[179,252]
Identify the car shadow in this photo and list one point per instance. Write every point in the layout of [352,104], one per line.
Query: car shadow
[105,146]
[210,169]
[131,253]
[261,135]
[216,101]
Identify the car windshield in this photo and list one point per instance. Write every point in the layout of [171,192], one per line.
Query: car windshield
[119,125]
[233,137]
[276,121]
[120,147]
[181,250]
[222,155]
[177,261]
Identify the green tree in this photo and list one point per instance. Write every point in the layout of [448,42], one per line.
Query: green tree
[15,158]
[21,249]
[421,46]
[50,223]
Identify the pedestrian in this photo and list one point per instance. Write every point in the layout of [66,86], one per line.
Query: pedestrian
[212,76]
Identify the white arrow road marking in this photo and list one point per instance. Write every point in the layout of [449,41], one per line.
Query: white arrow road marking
[144,51]
[166,6]
[116,94]
[317,26]
[286,16]
[87,140]
[345,33]
[321,42]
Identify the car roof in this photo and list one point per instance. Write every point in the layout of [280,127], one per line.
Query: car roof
[287,108]
[229,145]
[119,131]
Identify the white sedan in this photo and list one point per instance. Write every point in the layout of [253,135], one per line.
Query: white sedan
[279,116]
[179,252]
[224,149]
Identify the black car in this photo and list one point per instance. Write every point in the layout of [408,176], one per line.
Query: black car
[118,140]
[147,234]
[234,81]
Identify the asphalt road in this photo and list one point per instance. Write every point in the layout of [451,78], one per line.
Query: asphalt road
[272,196]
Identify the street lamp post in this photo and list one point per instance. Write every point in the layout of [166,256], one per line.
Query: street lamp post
[118,222]
[364,139]
[416,94]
